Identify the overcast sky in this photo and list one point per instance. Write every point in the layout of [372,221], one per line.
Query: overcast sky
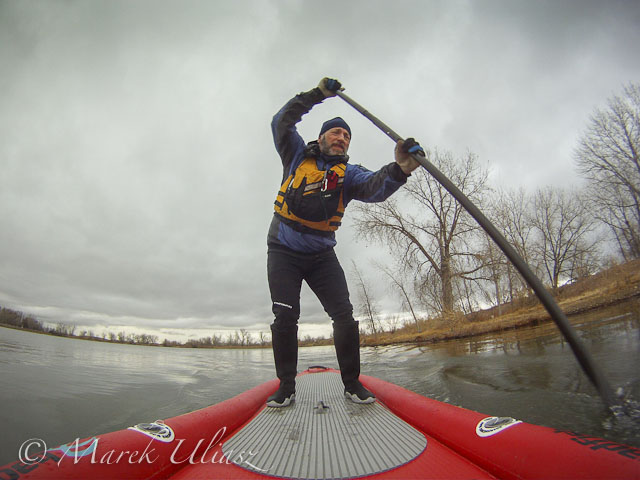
[137,169]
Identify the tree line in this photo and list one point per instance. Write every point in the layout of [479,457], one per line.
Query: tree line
[16,319]
[238,338]
[444,262]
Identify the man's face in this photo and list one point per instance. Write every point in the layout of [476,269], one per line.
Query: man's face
[335,141]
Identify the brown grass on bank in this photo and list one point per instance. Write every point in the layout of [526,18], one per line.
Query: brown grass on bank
[603,289]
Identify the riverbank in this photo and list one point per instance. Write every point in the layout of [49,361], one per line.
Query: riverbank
[617,285]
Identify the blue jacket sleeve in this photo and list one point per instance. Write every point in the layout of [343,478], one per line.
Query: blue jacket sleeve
[367,186]
[286,138]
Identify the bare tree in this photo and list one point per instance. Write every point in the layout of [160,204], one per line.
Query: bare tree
[434,242]
[367,305]
[608,157]
[495,273]
[563,223]
[398,282]
[243,337]
[513,212]
[393,322]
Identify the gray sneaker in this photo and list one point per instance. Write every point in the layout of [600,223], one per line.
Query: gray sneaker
[282,397]
[358,394]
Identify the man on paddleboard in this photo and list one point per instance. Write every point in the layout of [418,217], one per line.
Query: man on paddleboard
[317,185]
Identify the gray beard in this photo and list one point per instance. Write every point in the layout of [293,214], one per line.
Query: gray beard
[326,149]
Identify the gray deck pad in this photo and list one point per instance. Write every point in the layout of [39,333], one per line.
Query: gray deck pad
[324,435]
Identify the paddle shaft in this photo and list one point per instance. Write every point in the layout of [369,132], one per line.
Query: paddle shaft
[585,360]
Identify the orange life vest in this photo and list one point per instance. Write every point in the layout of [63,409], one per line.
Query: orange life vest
[313,198]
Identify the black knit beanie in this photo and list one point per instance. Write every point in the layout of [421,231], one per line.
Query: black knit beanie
[333,123]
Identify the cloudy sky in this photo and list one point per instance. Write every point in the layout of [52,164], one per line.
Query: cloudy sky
[137,170]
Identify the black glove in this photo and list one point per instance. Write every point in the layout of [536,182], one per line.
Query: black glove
[333,84]
[329,86]
[411,146]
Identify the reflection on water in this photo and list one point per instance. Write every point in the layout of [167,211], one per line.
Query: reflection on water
[60,389]
[539,337]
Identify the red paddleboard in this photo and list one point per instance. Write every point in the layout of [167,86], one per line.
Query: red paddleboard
[324,435]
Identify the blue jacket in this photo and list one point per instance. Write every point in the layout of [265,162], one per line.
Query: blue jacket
[359,183]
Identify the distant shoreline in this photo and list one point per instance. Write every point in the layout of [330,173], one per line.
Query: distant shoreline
[103,340]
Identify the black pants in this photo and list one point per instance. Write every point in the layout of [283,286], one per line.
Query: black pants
[287,269]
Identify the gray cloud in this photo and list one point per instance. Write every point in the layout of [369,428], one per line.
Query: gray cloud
[136,163]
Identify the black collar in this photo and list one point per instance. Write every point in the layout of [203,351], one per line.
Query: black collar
[313,150]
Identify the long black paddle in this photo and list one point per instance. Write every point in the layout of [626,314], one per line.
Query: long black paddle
[585,360]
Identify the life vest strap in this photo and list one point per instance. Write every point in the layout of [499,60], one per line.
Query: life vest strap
[298,227]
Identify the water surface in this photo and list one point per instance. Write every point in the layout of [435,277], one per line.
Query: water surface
[59,389]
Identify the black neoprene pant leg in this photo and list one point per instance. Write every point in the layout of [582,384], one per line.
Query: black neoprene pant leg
[323,273]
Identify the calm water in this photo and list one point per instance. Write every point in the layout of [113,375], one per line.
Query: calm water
[60,389]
